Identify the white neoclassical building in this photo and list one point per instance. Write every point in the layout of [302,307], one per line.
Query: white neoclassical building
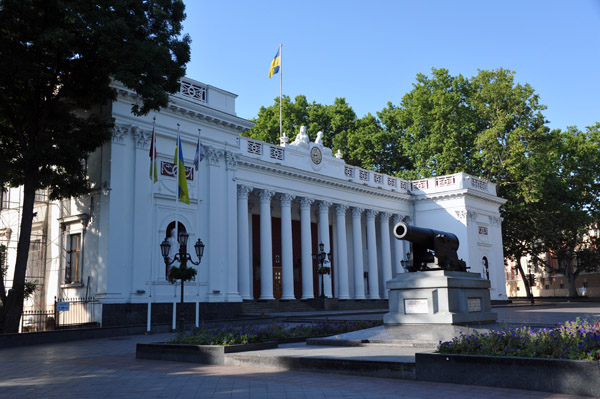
[261,210]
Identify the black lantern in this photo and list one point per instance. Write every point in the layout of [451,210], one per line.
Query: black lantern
[182,272]
[320,257]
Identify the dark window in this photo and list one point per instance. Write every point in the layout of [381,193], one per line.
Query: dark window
[73,265]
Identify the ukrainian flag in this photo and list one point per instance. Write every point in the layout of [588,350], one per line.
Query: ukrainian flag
[183,192]
[275,64]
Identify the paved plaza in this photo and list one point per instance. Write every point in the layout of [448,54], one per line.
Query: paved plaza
[107,368]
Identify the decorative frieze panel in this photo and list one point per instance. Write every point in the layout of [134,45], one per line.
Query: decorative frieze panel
[403,185]
[420,184]
[349,171]
[391,181]
[445,181]
[483,230]
[254,147]
[196,92]
[377,178]
[169,169]
[363,175]
[276,152]
[479,184]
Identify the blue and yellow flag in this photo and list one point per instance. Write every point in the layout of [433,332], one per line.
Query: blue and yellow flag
[275,64]
[183,192]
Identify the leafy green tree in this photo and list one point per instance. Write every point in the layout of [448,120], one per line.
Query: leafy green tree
[57,61]
[487,126]
[569,207]
[334,119]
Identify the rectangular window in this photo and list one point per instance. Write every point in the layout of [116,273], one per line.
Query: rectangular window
[73,265]
[4,198]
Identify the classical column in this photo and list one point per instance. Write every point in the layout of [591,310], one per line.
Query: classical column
[243,242]
[399,252]
[266,247]
[372,255]
[341,257]
[324,235]
[306,248]
[287,258]
[359,282]
[386,252]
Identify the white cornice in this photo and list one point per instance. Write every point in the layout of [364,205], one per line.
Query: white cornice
[184,107]
[318,179]
[460,193]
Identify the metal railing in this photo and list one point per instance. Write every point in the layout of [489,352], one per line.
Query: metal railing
[65,313]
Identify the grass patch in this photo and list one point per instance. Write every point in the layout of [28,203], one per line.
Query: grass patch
[267,332]
[575,340]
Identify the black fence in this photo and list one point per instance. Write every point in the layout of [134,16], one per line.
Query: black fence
[66,313]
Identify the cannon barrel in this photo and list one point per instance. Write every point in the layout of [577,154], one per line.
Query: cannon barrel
[430,249]
[424,236]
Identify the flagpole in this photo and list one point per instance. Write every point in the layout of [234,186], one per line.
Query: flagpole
[198,229]
[152,162]
[176,219]
[280,90]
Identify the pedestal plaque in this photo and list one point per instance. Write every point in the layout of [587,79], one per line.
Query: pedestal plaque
[439,297]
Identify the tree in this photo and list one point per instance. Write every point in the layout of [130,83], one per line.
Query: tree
[333,120]
[570,206]
[486,126]
[58,60]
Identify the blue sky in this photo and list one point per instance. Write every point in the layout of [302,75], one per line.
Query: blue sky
[370,52]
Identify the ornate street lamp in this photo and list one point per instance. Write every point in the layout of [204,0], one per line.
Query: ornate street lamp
[322,257]
[182,272]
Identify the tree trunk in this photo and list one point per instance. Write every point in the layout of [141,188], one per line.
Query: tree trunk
[12,308]
[569,277]
[525,279]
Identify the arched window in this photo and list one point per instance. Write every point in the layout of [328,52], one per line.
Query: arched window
[172,237]
[486,267]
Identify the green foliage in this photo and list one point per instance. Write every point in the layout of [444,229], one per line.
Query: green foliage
[576,340]
[229,335]
[181,273]
[58,59]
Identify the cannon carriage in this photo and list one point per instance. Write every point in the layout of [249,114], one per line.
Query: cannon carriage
[430,249]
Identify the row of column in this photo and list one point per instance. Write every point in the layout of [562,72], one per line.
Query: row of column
[341,256]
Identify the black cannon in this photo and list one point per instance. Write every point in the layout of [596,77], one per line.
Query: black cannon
[423,242]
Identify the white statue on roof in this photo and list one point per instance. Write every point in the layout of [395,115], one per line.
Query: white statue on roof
[301,139]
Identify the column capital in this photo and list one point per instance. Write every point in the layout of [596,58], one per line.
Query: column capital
[357,212]
[265,195]
[244,191]
[340,209]
[306,202]
[286,199]
[385,216]
[141,137]
[371,213]
[324,206]
[231,160]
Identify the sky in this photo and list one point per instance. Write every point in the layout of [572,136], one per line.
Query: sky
[370,51]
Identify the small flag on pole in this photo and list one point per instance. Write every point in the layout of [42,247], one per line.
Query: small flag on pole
[183,192]
[275,65]
[153,161]
[200,154]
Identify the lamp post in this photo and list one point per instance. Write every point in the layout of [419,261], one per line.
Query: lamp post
[321,257]
[182,272]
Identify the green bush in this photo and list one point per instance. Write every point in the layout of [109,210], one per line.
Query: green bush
[576,340]
[267,332]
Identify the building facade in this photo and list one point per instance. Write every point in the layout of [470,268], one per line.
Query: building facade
[260,209]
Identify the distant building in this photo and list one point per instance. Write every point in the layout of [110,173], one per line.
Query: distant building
[260,209]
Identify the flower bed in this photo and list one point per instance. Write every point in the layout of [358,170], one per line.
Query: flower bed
[269,332]
[574,340]
[563,359]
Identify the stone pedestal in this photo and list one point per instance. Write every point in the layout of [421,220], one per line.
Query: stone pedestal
[439,297]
